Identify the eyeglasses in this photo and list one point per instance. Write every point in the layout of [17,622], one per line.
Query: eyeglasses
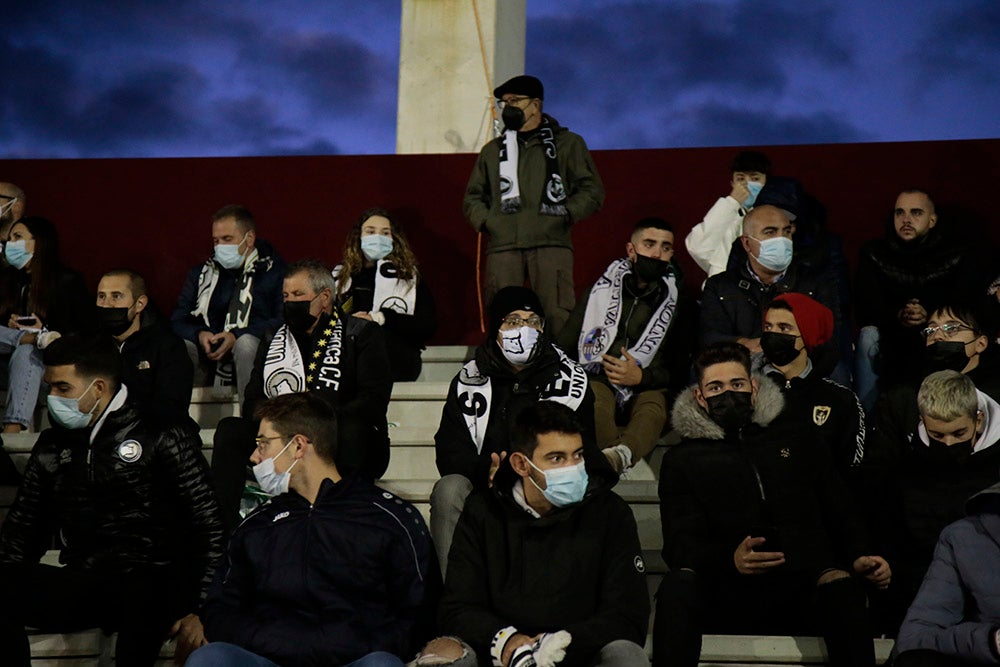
[949,329]
[263,440]
[513,101]
[513,321]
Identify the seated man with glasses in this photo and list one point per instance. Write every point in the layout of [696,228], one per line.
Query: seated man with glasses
[332,571]
[516,366]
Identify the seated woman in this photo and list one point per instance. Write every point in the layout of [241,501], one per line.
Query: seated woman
[40,299]
[378,281]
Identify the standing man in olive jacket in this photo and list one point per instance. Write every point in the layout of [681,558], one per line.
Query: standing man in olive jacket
[527,190]
[136,518]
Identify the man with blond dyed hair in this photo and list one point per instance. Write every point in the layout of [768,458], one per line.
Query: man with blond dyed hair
[952,456]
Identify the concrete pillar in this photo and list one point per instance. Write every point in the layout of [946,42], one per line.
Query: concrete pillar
[444,94]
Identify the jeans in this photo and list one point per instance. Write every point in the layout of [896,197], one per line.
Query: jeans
[865,372]
[447,501]
[244,354]
[24,377]
[221,654]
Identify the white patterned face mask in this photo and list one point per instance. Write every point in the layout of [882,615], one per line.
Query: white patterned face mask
[518,344]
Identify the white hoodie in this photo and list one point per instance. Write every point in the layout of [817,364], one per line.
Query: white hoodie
[991,424]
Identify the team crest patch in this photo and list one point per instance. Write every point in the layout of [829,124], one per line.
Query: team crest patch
[595,341]
[282,382]
[820,414]
[640,566]
[130,451]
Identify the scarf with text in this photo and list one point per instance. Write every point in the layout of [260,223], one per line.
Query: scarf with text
[603,317]
[286,372]
[474,392]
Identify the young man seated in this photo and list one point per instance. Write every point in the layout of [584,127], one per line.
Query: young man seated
[136,518]
[545,566]
[758,529]
[332,571]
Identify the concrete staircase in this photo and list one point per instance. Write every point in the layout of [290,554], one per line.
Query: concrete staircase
[414,413]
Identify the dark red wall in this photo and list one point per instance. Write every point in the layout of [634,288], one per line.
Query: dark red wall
[153,214]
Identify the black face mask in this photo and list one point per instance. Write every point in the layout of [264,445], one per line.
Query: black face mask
[113,321]
[513,117]
[941,453]
[945,355]
[732,410]
[779,348]
[649,270]
[297,316]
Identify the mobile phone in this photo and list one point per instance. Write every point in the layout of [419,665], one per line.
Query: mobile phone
[27,320]
[771,535]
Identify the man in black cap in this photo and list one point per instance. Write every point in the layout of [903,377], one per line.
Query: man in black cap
[516,366]
[527,189]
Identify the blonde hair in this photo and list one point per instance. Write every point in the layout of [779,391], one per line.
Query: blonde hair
[401,256]
[947,396]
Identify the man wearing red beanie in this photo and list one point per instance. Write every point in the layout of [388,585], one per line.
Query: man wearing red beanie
[795,325]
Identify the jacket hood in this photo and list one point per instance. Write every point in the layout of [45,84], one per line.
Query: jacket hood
[991,425]
[692,422]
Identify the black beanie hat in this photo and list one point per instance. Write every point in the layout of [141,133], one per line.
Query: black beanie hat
[509,299]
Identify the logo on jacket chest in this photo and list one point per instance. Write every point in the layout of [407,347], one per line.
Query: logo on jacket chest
[129,451]
[820,414]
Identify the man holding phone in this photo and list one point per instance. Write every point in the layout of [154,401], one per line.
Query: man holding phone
[758,530]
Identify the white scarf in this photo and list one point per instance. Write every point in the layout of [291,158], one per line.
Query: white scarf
[603,316]
[391,292]
[238,315]
[475,392]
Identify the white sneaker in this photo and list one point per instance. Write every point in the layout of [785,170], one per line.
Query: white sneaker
[45,339]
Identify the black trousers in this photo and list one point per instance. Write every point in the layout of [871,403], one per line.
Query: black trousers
[361,450]
[687,606]
[139,605]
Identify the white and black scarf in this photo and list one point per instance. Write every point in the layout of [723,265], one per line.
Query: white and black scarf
[286,372]
[238,316]
[391,291]
[603,316]
[475,393]
[553,199]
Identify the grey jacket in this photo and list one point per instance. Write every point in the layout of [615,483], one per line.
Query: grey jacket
[957,611]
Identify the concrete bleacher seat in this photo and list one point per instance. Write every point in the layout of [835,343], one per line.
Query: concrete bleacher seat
[414,414]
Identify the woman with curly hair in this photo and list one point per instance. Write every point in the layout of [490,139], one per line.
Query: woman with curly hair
[378,280]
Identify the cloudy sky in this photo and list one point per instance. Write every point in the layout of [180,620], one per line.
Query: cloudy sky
[197,78]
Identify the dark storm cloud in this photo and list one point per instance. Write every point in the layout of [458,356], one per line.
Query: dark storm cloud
[632,49]
[720,125]
[122,79]
[961,42]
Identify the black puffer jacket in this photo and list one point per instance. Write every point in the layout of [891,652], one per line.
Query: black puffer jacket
[578,568]
[715,490]
[137,496]
[511,392]
[327,583]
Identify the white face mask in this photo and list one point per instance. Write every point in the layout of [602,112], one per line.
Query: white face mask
[229,255]
[272,482]
[519,344]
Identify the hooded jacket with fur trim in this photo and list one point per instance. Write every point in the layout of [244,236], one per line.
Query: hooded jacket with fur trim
[718,488]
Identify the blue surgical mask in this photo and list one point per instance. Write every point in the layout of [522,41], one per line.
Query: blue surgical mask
[775,253]
[272,482]
[376,246]
[66,411]
[229,255]
[563,486]
[16,254]
[754,187]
